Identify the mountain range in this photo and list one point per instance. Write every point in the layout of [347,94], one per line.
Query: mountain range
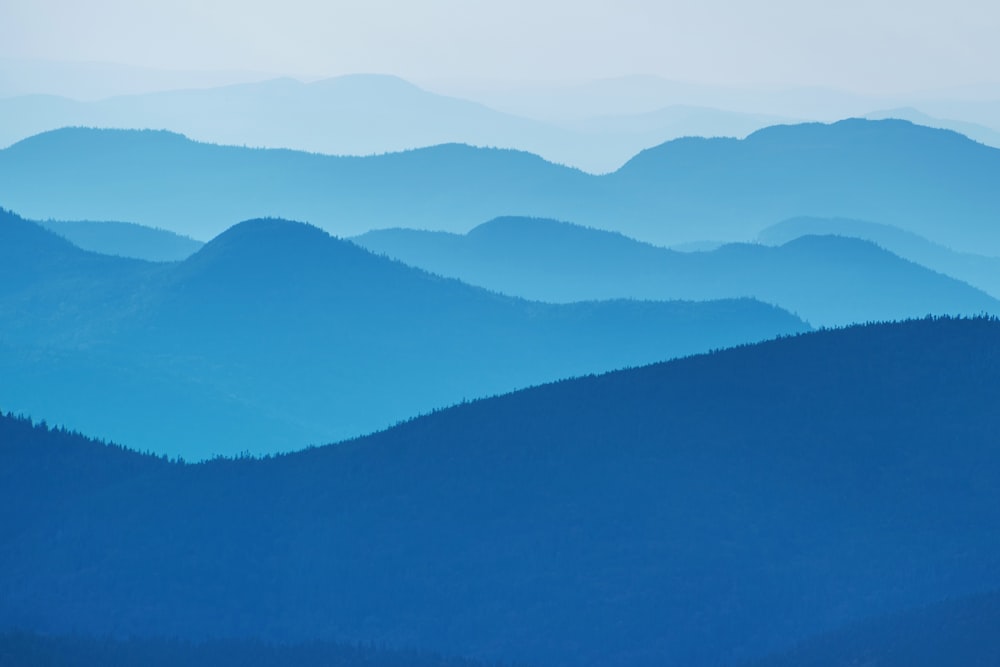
[275,335]
[826,280]
[891,172]
[709,510]
[365,115]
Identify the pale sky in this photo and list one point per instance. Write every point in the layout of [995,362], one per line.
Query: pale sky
[867,46]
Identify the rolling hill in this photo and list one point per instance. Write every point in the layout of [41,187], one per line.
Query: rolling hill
[685,190]
[124,239]
[826,280]
[275,335]
[980,271]
[709,510]
[366,114]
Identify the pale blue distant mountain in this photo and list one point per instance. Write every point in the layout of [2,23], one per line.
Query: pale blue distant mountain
[980,271]
[364,115]
[826,280]
[686,190]
[125,239]
[275,335]
[978,132]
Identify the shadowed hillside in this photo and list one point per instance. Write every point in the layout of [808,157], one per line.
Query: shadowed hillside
[27,650]
[685,190]
[956,632]
[710,510]
[275,335]
[826,280]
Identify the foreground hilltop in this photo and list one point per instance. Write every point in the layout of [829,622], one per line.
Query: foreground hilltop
[703,511]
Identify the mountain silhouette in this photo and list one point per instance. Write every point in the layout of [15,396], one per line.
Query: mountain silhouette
[124,239]
[365,114]
[710,510]
[980,271]
[275,335]
[826,280]
[890,172]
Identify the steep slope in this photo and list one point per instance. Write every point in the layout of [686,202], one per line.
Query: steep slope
[979,271]
[685,190]
[275,335]
[827,280]
[705,511]
[124,239]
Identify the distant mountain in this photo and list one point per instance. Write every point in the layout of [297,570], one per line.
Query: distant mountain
[977,132]
[637,94]
[125,239]
[979,271]
[685,190]
[364,115]
[275,335]
[710,510]
[955,632]
[826,280]
[892,170]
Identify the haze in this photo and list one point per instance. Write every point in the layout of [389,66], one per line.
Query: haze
[884,47]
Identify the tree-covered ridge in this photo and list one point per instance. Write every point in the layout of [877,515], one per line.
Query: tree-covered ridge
[708,510]
[31,650]
[691,189]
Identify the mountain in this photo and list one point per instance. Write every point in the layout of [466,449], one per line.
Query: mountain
[979,271]
[365,114]
[892,170]
[161,179]
[826,280]
[954,632]
[710,510]
[125,239]
[686,190]
[975,131]
[275,335]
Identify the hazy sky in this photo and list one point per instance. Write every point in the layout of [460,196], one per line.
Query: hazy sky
[861,45]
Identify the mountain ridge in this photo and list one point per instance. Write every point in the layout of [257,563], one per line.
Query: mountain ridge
[892,172]
[821,473]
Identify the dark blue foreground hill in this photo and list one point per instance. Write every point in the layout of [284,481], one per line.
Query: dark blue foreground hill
[935,183]
[276,335]
[955,632]
[22,649]
[706,511]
